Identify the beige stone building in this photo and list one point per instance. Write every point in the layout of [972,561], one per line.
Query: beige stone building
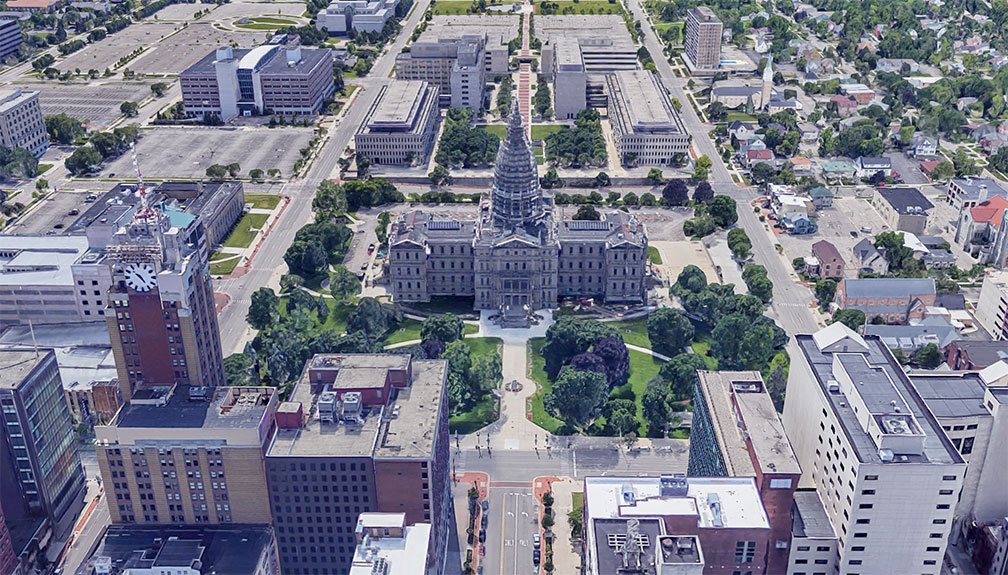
[21,123]
[401,124]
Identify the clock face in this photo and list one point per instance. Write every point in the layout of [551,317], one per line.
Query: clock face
[141,277]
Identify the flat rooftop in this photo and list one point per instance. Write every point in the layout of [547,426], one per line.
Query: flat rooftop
[810,519]
[225,408]
[611,533]
[40,260]
[642,104]
[880,380]
[16,364]
[623,497]
[499,30]
[402,555]
[599,30]
[12,98]
[231,550]
[951,394]
[405,427]
[401,107]
[743,392]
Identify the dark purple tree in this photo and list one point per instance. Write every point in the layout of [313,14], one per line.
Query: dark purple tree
[703,192]
[614,354]
[588,362]
[675,193]
[432,348]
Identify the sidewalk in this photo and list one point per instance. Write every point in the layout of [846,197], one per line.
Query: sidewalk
[566,557]
[460,497]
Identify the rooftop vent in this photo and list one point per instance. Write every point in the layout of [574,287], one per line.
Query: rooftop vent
[886,455]
[674,485]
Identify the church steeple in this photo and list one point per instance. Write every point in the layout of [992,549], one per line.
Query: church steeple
[767,83]
[516,198]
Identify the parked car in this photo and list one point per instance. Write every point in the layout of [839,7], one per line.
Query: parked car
[853,234]
[865,230]
[535,541]
[536,556]
[370,249]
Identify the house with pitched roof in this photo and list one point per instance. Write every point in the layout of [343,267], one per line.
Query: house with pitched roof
[981,231]
[830,261]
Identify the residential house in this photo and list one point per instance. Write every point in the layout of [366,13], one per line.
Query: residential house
[972,354]
[964,104]
[904,209]
[753,157]
[801,166]
[868,167]
[895,300]
[897,65]
[938,259]
[809,132]
[968,192]
[922,145]
[798,226]
[869,259]
[859,92]
[832,264]
[821,196]
[917,334]
[845,104]
[838,170]
[790,206]
[981,231]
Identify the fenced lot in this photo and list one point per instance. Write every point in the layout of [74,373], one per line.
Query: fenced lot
[172,152]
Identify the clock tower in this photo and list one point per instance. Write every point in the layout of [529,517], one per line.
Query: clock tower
[161,315]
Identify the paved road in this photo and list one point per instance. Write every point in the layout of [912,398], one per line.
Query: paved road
[268,264]
[790,300]
[512,519]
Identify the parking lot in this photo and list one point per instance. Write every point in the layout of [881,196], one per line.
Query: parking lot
[176,53]
[248,9]
[53,213]
[170,152]
[105,53]
[97,105]
[180,12]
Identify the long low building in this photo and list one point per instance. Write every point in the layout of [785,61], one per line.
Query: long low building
[401,124]
[646,127]
[359,15]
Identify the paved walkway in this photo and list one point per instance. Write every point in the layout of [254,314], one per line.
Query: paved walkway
[566,557]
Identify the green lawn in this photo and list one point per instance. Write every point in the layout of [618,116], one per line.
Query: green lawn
[409,330]
[499,129]
[634,331]
[262,201]
[654,256]
[540,131]
[451,7]
[643,367]
[701,346]
[266,23]
[245,230]
[43,168]
[223,267]
[484,411]
[740,116]
[585,7]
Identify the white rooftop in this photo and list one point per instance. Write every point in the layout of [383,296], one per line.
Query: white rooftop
[835,333]
[995,374]
[738,500]
[39,260]
[402,556]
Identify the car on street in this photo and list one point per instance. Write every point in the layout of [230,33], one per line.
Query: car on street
[853,234]
[536,556]
[73,212]
[535,541]
[363,266]
[482,536]
[370,249]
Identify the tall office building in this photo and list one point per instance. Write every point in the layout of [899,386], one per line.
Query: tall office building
[21,123]
[188,455]
[40,471]
[359,434]
[457,66]
[702,46]
[161,316]
[736,433]
[10,36]
[888,476]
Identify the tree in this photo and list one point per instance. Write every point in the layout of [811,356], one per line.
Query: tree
[756,347]
[601,180]
[703,193]
[579,396]
[655,407]
[216,172]
[343,284]
[929,357]
[159,89]
[763,172]
[727,337]
[669,331]
[20,163]
[616,358]
[776,385]
[105,143]
[263,308]
[240,369]
[330,200]
[439,175]
[445,328]
[739,243]
[691,278]
[717,112]
[701,168]
[679,374]
[852,318]
[233,169]
[551,180]
[256,175]
[630,199]
[675,193]
[722,209]
[944,171]
[129,108]
[83,160]
[63,129]
[370,317]
[655,177]
[648,199]
[825,290]
[587,212]
[570,336]
[588,362]
[755,277]
[486,372]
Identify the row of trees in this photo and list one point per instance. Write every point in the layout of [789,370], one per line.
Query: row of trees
[100,147]
[469,378]
[316,246]
[580,146]
[464,146]
[719,213]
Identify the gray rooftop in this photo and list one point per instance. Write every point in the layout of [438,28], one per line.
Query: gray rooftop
[227,408]
[17,364]
[971,188]
[762,426]
[888,287]
[936,329]
[810,519]
[904,199]
[610,228]
[499,30]
[704,14]
[277,64]
[40,260]
[951,394]
[606,529]
[417,226]
[642,104]
[983,353]
[880,380]
[410,433]
[400,107]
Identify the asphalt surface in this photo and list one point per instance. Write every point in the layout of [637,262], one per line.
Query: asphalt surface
[269,260]
[512,520]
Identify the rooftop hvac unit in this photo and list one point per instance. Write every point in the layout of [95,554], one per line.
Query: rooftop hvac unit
[379,566]
[327,406]
[674,485]
[833,386]
[103,565]
[352,406]
[886,455]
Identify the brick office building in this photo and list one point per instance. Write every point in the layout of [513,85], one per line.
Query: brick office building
[360,433]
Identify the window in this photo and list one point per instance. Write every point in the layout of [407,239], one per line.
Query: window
[745,551]
[938,521]
[948,477]
[945,492]
[875,477]
[854,562]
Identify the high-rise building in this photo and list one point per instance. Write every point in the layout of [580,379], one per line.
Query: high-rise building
[40,471]
[10,36]
[21,123]
[736,433]
[401,124]
[8,560]
[702,46]
[359,434]
[516,256]
[457,66]
[188,455]
[161,316]
[341,16]
[888,476]
[647,130]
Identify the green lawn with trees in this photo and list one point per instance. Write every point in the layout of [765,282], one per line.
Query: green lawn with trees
[262,201]
[245,230]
